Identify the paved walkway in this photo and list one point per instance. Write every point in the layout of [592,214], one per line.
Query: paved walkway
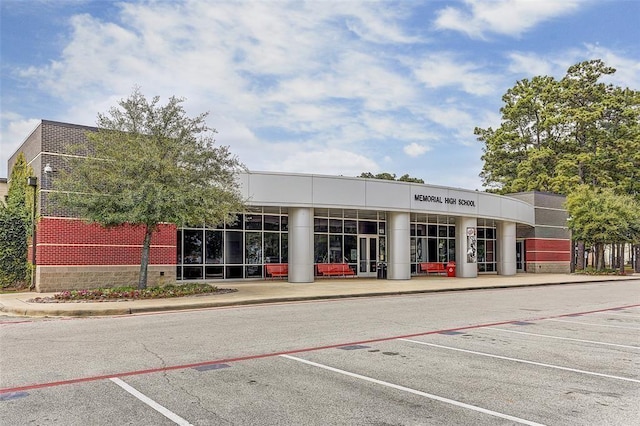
[255,292]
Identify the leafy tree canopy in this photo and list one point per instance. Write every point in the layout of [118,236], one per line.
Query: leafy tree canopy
[599,216]
[389,176]
[149,164]
[558,134]
[14,226]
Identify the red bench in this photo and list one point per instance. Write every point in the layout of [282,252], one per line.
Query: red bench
[334,269]
[433,267]
[276,270]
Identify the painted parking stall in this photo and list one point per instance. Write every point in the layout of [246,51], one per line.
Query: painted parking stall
[422,359]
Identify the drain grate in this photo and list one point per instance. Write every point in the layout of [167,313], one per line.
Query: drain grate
[450,333]
[522,323]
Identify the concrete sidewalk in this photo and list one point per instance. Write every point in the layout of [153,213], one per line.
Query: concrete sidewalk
[274,291]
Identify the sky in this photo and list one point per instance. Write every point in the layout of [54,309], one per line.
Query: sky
[323,87]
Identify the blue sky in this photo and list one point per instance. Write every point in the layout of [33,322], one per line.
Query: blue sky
[311,87]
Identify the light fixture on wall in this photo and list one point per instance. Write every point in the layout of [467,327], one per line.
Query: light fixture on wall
[48,169]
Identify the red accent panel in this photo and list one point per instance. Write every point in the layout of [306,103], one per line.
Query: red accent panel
[538,244]
[79,243]
[548,256]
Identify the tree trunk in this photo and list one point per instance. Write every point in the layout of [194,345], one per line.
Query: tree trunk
[580,261]
[144,260]
[636,250]
[598,260]
[621,258]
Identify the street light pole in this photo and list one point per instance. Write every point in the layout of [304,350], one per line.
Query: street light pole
[32,181]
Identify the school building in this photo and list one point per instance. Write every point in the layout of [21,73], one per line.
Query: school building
[301,227]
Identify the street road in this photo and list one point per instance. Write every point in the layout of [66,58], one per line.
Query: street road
[557,355]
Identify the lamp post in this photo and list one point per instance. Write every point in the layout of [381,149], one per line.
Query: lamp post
[32,181]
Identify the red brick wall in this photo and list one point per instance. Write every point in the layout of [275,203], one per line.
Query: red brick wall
[66,241]
[547,250]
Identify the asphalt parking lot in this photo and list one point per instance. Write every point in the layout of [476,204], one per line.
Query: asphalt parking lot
[577,368]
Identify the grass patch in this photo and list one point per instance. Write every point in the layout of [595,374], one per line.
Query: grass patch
[592,271]
[132,293]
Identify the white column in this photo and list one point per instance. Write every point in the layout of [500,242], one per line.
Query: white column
[506,240]
[301,245]
[398,246]
[466,262]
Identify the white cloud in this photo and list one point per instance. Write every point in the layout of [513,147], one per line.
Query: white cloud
[627,69]
[445,70]
[530,64]
[508,17]
[15,130]
[329,161]
[415,150]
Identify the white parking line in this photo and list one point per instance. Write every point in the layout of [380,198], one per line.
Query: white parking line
[564,338]
[524,361]
[591,323]
[414,391]
[151,403]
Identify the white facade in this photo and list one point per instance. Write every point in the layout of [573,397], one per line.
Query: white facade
[302,194]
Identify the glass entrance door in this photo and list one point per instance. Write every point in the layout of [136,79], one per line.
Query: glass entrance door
[367,256]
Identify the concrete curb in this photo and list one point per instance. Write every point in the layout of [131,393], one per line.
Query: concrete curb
[69,310]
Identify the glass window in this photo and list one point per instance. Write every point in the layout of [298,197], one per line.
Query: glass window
[335,226]
[179,248]
[192,246]
[367,227]
[432,252]
[237,224]
[284,238]
[234,271]
[320,225]
[253,272]
[351,248]
[271,223]
[421,230]
[443,231]
[413,250]
[213,272]
[253,247]
[271,247]
[452,250]
[350,227]
[233,247]
[284,223]
[253,222]
[213,247]
[421,250]
[452,232]
[442,250]
[320,248]
[335,249]
[433,231]
[192,273]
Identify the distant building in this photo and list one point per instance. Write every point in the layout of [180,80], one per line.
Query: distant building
[4,190]
[301,226]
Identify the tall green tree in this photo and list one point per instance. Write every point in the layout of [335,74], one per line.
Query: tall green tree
[558,134]
[15,219]
[600,216]
[149,164]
